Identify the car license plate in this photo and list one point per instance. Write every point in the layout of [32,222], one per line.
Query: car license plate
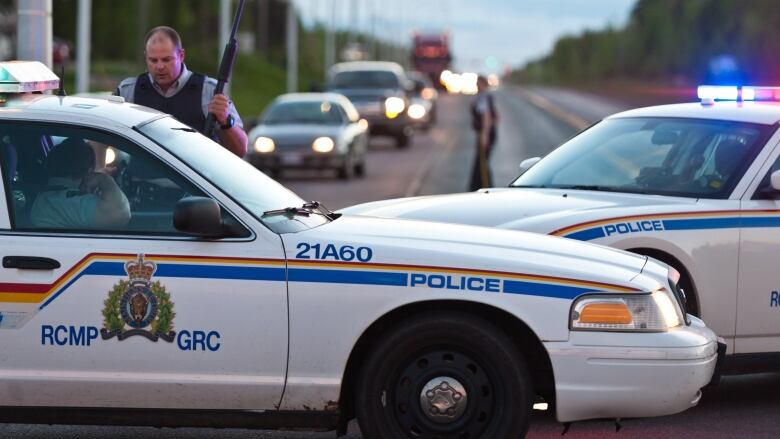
[291,159]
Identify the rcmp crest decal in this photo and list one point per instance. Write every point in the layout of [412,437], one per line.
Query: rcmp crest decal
[138,306]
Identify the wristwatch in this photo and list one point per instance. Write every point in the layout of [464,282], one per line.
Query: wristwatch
[228,123]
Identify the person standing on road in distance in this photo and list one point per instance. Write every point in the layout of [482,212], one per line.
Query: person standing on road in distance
[484,120]
[170,87]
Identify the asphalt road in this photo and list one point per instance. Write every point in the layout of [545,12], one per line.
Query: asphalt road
[532,123]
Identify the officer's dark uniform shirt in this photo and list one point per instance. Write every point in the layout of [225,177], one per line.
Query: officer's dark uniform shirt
[187,99]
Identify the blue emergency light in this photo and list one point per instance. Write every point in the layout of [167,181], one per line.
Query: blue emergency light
[737,93]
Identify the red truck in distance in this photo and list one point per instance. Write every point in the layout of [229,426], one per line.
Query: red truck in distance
[431,55]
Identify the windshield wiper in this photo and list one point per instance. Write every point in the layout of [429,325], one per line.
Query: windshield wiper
[595,187]
[187,129]
[308,209]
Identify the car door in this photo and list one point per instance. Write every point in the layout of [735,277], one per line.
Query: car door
[758,304]
[132,314]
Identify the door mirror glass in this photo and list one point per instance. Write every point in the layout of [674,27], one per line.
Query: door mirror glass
[527,163]
[774,179]
[199,216]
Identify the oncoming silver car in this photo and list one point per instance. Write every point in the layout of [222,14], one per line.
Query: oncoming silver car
[312,131]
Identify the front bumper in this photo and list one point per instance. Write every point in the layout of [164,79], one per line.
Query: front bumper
[381,125]
[622,375]
[297,161]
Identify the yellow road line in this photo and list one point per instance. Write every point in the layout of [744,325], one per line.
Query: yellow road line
[543,103]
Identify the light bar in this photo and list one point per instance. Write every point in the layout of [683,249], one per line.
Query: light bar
[761,93]
[26,76]
[718,92]
[735,93]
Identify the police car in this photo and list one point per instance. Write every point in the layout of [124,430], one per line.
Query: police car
[223,299]
[693,185]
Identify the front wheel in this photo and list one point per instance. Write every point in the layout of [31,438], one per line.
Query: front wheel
[446,375]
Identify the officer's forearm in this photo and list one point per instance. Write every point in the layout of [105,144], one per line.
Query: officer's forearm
[234,139]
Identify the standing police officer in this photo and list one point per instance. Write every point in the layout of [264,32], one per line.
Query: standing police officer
[484,120]
[169,87]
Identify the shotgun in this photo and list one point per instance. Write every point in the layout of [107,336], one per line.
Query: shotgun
[225,68]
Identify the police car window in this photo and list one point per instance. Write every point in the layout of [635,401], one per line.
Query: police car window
[67,179]
[694,158]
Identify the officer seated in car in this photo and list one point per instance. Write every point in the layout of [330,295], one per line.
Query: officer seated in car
[727,157]
[75,196]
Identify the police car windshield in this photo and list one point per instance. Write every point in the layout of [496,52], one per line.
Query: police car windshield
[317,113]
[235,177]
[365,79]
[661,156]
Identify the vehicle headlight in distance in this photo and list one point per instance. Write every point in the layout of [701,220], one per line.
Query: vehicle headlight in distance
[110,156]
[394,106]
[264,145]
[637,312]
[416,111]
[323,144]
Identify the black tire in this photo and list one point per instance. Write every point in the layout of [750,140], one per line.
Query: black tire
[360,168]
[430,350]
[402,141]
[347,169]
[691,302]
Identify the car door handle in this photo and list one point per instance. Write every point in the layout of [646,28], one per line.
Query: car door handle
[30,263]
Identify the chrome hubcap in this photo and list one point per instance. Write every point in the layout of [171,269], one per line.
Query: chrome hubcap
[443,400]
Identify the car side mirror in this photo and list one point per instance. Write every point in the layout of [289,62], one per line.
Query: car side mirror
[772,191]
[199,216]
[528,163]
[774,180]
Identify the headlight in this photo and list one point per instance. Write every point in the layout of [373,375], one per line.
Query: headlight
[654,312]
[110,156]
[264,145]
[416,111]
[323,144]
[394,106]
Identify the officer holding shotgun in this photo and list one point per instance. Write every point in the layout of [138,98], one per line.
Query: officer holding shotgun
[170,87]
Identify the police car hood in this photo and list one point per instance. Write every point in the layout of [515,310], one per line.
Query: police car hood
[536,210]
[431,244]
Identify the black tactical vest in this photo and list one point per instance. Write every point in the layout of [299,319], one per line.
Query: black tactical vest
[184,105]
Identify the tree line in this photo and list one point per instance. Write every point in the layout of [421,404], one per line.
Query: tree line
[688,41]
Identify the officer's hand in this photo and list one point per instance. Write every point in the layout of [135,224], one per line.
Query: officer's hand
[220,108]
[95,182]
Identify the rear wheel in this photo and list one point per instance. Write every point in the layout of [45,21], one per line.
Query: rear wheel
[444,376]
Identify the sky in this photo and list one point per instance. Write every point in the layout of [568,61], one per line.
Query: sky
[513,32]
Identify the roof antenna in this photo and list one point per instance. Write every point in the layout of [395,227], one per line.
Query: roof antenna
[61,90]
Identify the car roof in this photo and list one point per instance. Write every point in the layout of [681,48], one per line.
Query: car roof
[764,113]
[368,66]
[312,97]
[95,111]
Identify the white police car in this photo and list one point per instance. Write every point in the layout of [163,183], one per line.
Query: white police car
[693,185]
[223,299]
